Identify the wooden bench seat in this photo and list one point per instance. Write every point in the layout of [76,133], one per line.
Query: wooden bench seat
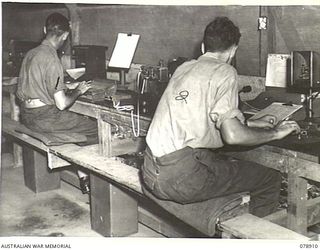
[10,127]
[37,176]
[248,226]
[39,140]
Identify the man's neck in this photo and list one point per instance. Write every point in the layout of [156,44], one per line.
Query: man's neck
[221,56]
[53,42]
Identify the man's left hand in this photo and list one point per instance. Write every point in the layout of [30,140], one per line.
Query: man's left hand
[72,85]
[84,86]
[267,121]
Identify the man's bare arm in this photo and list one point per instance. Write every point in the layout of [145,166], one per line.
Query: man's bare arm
[234,132]
[64,100]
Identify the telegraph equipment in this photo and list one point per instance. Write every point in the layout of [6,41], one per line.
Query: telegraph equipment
[17,51]
[92,58]
[304,75]
[304,71]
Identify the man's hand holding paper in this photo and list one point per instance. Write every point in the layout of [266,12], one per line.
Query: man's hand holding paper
[266,121]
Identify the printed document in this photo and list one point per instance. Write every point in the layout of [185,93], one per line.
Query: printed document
[280,110]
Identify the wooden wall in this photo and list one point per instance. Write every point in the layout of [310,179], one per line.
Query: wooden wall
[297,28]
[171,31]
[25,21]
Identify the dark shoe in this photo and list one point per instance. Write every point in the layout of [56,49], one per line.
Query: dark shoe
[85,185]
[58,234]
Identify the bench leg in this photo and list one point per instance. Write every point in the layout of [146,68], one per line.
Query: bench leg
[37,175]
[17,156]
[17,150]
[297,204]
[104,132]
[113,212]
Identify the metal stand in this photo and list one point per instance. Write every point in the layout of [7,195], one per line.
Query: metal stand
[122,77]
[310,123]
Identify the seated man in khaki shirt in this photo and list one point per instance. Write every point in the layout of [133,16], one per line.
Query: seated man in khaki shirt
[198,114]
[43,94]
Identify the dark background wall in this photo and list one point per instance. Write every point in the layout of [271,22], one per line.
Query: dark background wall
[171,31]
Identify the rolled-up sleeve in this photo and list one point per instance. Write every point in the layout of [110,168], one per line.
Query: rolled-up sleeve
[54,78]
[225,105]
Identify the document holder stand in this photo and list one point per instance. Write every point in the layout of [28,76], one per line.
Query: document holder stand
[123,53]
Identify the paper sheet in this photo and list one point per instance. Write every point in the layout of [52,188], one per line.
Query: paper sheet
[280,110]
[124,50]
[76,73]
[276,75]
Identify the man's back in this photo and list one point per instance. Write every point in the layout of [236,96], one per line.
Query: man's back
[183,118]
[39,72]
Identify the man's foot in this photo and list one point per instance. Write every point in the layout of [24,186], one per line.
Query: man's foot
[85,185]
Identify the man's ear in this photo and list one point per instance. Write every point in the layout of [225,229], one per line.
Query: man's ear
[65,36]
[234,50]
[203,48]
[231,53]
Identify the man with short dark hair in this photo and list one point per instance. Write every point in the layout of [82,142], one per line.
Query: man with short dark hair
[198,114]
[43,94]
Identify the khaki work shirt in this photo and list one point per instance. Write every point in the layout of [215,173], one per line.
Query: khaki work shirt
[200,96]
[41,74]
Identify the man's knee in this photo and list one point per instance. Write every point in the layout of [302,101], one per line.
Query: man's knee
[275,178]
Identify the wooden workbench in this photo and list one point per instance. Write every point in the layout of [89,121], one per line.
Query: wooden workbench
[299,164]
[105,111]
[299,167]
[106,116]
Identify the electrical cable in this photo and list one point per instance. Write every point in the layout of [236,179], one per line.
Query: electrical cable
[143,85]
[117,106]
[136,133]
[138,80]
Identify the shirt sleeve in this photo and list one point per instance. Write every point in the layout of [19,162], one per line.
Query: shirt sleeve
[225,101]
[54,78]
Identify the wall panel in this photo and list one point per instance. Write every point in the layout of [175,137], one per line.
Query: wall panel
[171,31]
[298,28]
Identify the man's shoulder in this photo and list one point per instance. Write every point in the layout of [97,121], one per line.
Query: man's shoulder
[43,50]
[215,64]
[40,54]
[226,70]
[185,65]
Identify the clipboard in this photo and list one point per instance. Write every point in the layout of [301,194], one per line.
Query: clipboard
[280,110]
[276,73]
[124,50]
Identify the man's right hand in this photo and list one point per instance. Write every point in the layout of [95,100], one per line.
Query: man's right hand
[83,87]
[64,101]
[233,132]
[266,121]
[285,128]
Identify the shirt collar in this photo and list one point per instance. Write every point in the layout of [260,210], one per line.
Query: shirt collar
[210,55]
